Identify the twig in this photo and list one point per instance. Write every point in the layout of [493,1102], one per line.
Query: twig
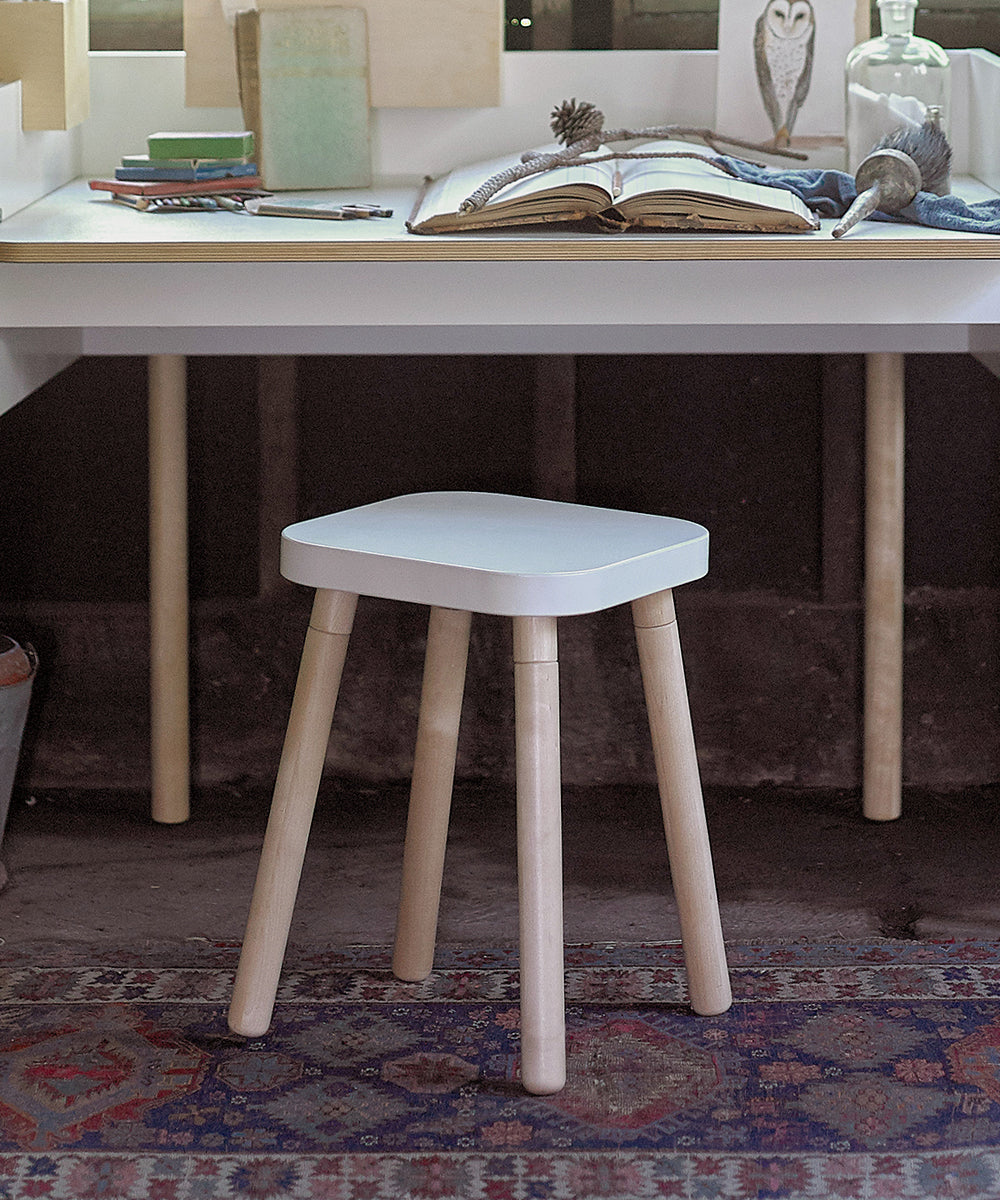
[530,164]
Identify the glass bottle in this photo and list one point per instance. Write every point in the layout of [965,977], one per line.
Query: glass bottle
[894,80]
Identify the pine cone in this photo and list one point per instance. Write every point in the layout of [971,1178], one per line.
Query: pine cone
[571,121]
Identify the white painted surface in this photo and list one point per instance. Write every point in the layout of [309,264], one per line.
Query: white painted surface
[29,358]
[133,94]
[32,163]
[632,88]
[607,299]
[481,552]
[136,93]
[635,88]
[983,132]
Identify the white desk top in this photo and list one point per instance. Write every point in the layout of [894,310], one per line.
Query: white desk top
[82,275]
[75,224]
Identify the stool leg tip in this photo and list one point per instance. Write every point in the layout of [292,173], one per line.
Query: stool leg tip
[543,1066]
[714,1002]
[411,968]
[542,1083]
[249,1024]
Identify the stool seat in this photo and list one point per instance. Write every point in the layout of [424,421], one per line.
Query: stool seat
[489,553]
[534,561]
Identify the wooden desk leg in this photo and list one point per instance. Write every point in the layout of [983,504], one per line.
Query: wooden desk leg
[883,716]
[168,588]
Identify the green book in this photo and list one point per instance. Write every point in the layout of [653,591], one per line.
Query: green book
[303,76]
[200,145]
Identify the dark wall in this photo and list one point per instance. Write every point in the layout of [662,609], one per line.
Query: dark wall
[735,442]
[765,451]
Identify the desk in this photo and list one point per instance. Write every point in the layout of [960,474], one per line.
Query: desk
[84,276]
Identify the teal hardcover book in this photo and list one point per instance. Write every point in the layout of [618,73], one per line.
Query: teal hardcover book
[304,90]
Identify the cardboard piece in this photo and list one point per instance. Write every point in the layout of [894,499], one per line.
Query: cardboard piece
[422,53]
[45,47]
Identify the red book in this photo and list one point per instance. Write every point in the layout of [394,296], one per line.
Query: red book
[173,187]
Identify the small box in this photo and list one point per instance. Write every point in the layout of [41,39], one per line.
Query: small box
[45,46]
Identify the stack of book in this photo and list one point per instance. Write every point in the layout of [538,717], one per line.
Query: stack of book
[186,164]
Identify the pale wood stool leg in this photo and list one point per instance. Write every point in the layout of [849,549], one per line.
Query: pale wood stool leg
[430,792]
[681,799]
[883,719]
[539,854]
[168,589]
[299,775]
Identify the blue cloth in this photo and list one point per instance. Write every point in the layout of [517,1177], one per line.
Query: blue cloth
[831,193]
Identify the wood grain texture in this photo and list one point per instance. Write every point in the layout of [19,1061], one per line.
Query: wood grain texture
[884,444]
[45,46]
[423,53]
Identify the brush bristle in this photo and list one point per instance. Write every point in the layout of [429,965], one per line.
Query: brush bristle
[929,149]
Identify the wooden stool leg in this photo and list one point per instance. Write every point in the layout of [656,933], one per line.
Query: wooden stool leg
[683,809]
[883,721]
[539,854]
[430,792]
[298,780]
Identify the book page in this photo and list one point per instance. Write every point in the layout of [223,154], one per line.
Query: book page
[444,195]
[692,175]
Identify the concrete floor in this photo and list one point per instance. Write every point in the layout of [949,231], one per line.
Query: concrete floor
[90,867]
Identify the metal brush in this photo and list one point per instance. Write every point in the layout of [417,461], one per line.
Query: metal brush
[903,163]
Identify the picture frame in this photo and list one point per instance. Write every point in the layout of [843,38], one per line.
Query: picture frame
[781,72]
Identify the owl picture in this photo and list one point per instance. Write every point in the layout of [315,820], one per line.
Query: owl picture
[783,55]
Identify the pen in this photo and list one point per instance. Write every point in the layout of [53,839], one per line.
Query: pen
[328,212]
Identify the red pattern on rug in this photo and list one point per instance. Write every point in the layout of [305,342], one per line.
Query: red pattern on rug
[842,1072]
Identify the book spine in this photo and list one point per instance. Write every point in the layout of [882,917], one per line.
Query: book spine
[183,174]
[247,34]
[176,188]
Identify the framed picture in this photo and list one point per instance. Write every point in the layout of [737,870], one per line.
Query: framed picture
[781,70]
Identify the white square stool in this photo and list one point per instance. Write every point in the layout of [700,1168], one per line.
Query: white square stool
[535,561]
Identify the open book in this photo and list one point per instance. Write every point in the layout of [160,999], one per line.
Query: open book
[620,193]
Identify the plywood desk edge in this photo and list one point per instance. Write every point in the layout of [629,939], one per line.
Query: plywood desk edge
[480,248]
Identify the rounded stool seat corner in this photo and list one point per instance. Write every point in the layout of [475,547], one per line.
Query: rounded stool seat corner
[494,553]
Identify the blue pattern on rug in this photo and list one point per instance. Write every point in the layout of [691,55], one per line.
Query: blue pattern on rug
[842,1072]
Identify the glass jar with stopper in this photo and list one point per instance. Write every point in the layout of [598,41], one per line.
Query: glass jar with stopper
[894,80]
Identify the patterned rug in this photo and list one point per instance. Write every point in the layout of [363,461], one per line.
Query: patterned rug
[842,1072]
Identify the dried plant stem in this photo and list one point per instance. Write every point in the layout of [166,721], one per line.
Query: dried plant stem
[708,136]
[530,164]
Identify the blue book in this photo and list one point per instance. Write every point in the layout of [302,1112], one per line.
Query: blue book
[185,174]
